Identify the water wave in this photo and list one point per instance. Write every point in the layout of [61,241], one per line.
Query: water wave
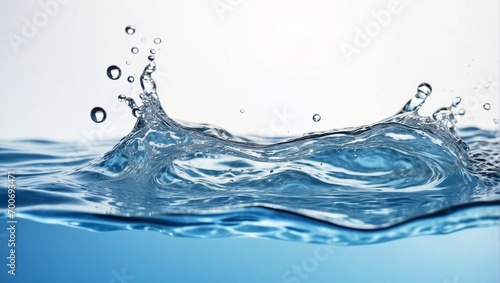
[404,176]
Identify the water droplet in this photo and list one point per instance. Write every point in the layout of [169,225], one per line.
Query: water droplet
[134,50]
[461,112]
[425,89]
[151,57]
[272,171]
[456,101]
[487,106]
[242,110]
[130,29]
[495,121]
[122,98]
[114,72]
[143,39]
[128,62]
[152,51]
[130,79]
[98,115]
[157,40]
[316,117]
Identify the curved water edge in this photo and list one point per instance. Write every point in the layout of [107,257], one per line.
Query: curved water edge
[407,175]
[269,223]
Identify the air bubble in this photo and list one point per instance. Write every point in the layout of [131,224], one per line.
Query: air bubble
[456,101]
[130,30]
[134,50]
[316,117]
[157,40]
[122,98]
[98,115]
[487,106]
[114,72]
[130,79]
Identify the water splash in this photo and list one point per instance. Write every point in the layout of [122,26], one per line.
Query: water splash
[423,92]
[404,176]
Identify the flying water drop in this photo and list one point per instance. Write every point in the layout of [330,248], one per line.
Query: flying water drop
[130,30]
[316,117]
[487,106]
[456,101]
[423,91]
[151,57]
[157,40]
[134,50]
[122,98]
[130,79]
[152,51]
[461,112]
[98,115]
[242,110]
[114,72]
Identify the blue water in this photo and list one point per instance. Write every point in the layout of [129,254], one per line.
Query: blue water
[402,177]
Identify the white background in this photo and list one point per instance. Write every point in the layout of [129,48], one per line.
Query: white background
[271,58]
